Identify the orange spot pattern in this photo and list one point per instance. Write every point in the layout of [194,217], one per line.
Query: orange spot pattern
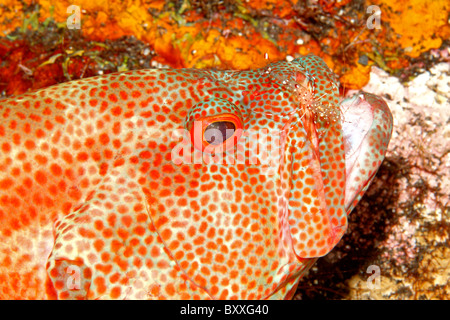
[93,204]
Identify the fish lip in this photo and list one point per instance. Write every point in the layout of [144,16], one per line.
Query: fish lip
[326,220]
[364,116]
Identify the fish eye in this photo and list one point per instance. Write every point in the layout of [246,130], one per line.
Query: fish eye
[216,133]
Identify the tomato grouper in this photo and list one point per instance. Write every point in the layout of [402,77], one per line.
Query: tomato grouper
[181,184]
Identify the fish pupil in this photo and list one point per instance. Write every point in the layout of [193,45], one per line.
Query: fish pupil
[217,132]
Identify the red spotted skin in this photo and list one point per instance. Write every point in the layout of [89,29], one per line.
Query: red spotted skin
[93,206]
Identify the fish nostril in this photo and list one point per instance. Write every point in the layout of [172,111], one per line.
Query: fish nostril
[219,131]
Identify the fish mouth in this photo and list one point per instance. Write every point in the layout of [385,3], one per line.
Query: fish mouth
[356,148]
[367,128]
